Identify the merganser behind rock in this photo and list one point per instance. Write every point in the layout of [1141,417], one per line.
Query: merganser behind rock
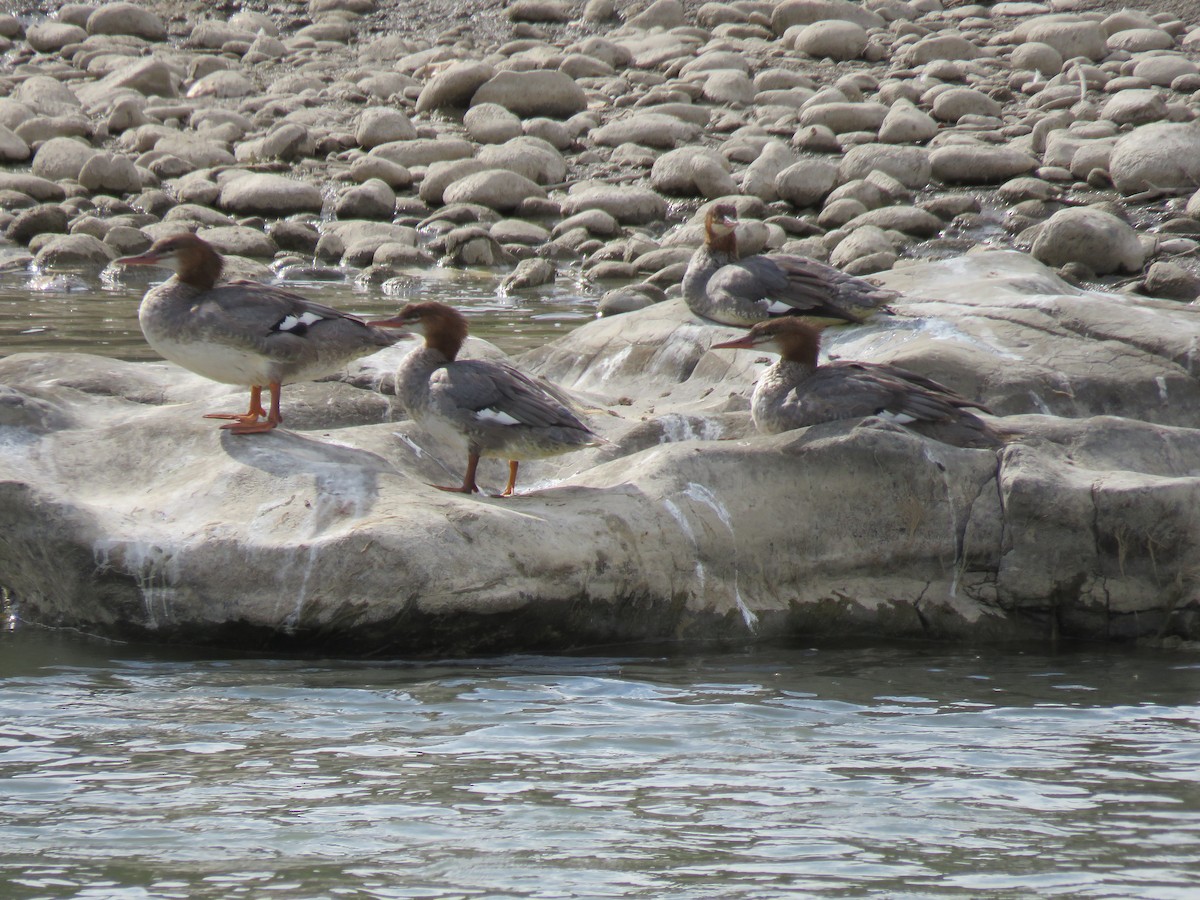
[796,392]
[244,332]
[493,408]
[718,285]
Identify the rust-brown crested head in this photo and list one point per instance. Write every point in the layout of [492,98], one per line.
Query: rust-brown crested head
[792,338]
[193,259]
[720,226]
[444,327]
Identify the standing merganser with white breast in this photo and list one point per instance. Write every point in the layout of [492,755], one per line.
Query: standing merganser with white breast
[244,332]
[796,392]
[720,286]
[493,408]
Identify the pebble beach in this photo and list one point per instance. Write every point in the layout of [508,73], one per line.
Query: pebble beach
[542,136]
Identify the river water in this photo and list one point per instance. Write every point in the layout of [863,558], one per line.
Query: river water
[894,772]
[901,772]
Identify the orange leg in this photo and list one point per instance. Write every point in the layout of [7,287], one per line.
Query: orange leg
[512,478]
[468,486]
[255,412]
[254,426]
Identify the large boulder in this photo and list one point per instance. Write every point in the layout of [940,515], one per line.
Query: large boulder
[1157,156]
[536,93]
[327,535]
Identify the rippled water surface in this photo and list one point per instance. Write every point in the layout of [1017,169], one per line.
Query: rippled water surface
[98,314]
[832,772]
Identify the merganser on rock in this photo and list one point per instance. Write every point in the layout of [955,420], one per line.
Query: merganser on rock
[719,286]
[796,392]
[493,408]
[244,332]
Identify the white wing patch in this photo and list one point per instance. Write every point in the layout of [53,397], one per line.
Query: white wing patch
[493,416]
[292,323]
[898,418]
[778,308]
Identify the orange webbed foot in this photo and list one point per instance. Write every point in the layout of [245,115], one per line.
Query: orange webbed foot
[249,427]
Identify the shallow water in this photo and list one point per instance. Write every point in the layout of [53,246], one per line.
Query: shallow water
[85,312]
[831,772]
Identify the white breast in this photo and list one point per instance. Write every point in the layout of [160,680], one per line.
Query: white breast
[219,362]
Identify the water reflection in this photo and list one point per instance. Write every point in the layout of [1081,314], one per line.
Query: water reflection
[92,313]
[831,772]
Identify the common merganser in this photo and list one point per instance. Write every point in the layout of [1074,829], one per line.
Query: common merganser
[796,391]
[244,332]
[493,408]
[719,286]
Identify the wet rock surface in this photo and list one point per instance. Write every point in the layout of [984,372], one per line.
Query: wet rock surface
[875,136]
[684,526]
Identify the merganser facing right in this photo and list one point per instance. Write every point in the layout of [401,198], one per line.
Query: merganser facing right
[492,407]
[719,286]
[796,392]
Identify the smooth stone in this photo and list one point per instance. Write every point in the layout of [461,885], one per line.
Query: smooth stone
[499,189]
[224,84]
[110,173]
[213,34]
[808,12]
[648,129]
[382,125]
[1068,35]
[530,157]
[953,104]
[373,199]
[906,124]
[1135,107]
[490,123]
[911,166]
[395,176]
[628,205]
[265,194]
[67,250]
[693,171]
[12,147]
[731,87]
[1140,40]
[1097,239]
[50,37]
[659,14]
[149,77]
[238,240]
[845,117]
[1172,281]
[201,152]
[866,241]
[979,163]
[47,96]
[518,231]
[1038,57]
[1163,70]
[834,39]
[424,151]
[906,219]
[454,86]
[440,175]
[529,273]
[938,47]
[1159,156]
[759,178]
[33,186]
[535,93]
[126,18]
[42,219]
[61,158]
